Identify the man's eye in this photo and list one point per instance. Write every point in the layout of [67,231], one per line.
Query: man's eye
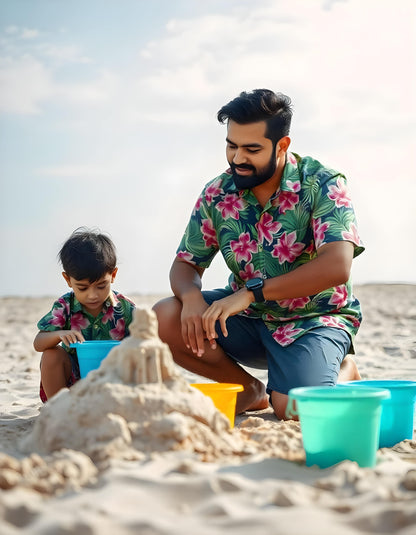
[253,151]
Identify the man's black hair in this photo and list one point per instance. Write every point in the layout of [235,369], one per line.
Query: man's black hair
[260,105]
[88,254]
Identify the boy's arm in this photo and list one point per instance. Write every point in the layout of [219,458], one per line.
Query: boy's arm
[50,339]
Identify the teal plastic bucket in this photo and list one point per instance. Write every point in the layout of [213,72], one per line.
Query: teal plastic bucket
[397,412]
[338,423]
[91,352]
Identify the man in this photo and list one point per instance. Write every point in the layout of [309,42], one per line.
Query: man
[286,228]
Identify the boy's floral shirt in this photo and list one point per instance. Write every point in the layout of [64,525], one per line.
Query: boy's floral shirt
[112,323]
[312,207]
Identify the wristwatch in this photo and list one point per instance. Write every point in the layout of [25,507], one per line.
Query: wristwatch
[255,285]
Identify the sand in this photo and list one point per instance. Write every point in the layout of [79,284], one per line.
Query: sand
[135,450]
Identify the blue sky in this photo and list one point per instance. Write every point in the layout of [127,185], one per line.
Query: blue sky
[108,120]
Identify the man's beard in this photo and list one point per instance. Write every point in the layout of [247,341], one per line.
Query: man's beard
[257,178]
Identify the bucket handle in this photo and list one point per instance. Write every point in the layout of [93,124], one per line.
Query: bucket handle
[291,409]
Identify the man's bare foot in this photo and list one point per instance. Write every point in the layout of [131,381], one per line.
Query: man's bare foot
[253,398]
[348,370]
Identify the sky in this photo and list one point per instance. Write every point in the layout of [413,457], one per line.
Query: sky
[108,120]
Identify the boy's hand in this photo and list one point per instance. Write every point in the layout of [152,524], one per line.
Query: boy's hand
[71,337]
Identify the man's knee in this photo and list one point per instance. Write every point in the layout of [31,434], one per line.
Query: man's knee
[168,313]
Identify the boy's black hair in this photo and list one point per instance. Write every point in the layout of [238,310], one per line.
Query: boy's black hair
[88,254]
[260,105]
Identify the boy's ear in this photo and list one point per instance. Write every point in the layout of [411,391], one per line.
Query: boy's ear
[67,278]
[113,274]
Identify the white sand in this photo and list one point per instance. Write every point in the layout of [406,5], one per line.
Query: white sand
[111,456]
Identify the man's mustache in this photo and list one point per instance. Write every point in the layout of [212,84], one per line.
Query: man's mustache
[242,166]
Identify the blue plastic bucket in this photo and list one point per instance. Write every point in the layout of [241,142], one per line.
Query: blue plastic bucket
[397,413]
[338,423]
[91,352]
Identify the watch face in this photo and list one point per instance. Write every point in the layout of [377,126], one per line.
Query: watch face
[254,283]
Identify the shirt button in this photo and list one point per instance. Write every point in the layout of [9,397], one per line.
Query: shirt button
[95,326]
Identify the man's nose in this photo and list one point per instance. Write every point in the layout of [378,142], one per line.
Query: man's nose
[239,157]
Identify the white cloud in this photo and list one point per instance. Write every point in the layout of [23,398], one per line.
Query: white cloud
[24,84]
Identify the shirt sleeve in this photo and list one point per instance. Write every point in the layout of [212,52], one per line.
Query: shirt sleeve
[127,309]
[199,244]
[333,216]
[57,318]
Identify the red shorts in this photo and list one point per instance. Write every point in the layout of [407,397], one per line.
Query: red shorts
[72,380]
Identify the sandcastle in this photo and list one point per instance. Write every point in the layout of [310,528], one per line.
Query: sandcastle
[135,404]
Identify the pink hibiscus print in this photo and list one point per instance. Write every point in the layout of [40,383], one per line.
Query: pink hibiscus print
[331,321]
[119,330]
[249,273]
[213,190]
[339,297]
[208,233]
[197,205]
[285,334]
[291,159]
[108,316]
[287,201]
[59,315]
[184,255]
[319,230]
[287,250]
[243,247]
[354,320]
[266,228]
[352,235]
[231,206]
[292,304]
[339,194]
[79,322]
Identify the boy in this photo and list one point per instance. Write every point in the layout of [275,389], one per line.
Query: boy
[91,311]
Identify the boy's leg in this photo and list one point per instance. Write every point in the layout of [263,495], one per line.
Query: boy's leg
[214,364]
[55,370]
[318,358]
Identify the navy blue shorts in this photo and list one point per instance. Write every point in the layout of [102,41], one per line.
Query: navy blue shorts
[314,359]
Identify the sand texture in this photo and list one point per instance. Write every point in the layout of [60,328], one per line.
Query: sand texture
[133,449]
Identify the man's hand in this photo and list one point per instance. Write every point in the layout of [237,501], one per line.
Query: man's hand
[224,308]
[192,329]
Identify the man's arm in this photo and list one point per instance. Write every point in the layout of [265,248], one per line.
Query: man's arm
[185,280]
[331,267]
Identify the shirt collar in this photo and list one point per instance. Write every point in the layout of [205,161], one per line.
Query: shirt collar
[290,178]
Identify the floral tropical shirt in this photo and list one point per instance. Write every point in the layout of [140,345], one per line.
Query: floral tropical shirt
[111,323]
[312,207]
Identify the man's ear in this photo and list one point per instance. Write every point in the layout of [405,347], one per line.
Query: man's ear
[283,144]
[113,274]
[67,278]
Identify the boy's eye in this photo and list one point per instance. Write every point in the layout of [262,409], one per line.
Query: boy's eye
[253,151]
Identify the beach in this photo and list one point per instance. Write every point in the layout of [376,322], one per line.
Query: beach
[187,478]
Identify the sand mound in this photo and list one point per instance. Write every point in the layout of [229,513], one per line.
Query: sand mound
[135,404]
